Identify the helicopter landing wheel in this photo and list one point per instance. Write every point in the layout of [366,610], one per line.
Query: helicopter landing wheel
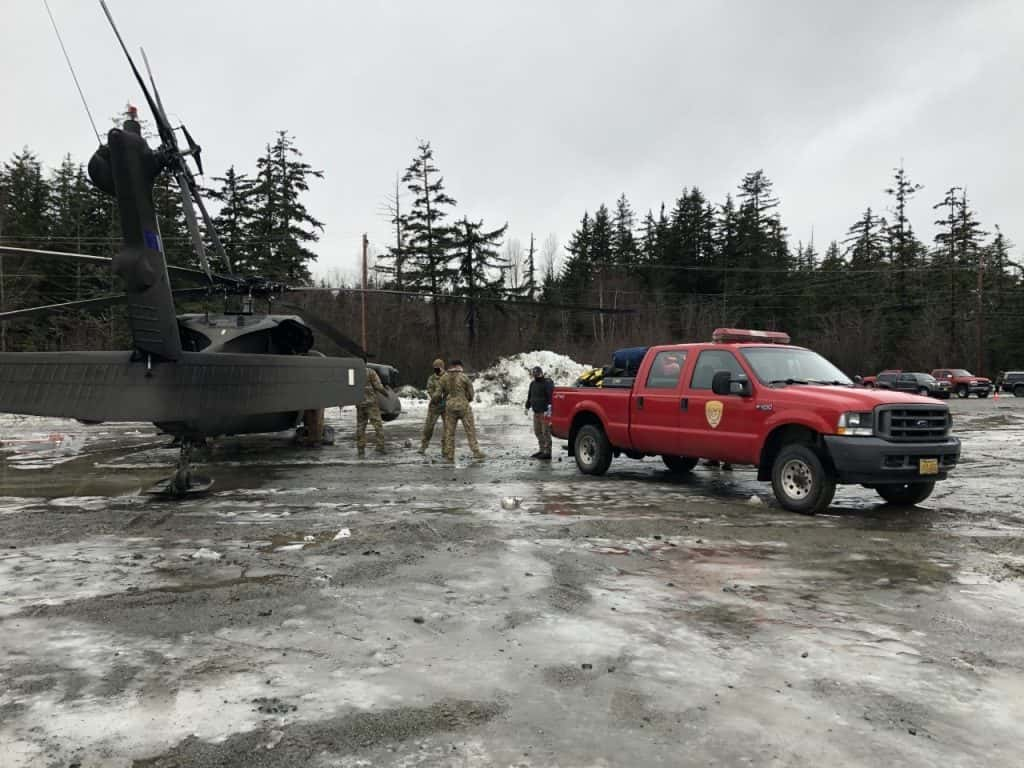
[183,483]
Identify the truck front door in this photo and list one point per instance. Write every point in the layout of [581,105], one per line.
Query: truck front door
[723,427]
[656,405]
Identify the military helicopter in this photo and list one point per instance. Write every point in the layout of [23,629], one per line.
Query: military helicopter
[194,376]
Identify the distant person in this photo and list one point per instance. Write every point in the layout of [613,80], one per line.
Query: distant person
[538,400]
[435,408]
[368,410]
[457,393]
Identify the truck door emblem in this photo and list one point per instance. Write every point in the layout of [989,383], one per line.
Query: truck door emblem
[713,413]
[765,406]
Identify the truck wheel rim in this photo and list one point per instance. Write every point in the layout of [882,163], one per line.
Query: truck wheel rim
[796,479]
[588,449]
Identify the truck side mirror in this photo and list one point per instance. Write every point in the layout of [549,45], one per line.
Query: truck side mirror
[722,383]
[858,379]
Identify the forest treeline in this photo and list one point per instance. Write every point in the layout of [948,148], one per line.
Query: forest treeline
[876,296]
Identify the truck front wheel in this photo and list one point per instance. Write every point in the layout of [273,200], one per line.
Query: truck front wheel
[906,494]
[679,464]
[592,450]
[1018,390]
[801,481]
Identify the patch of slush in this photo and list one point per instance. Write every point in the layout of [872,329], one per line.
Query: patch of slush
[507,381]
[60,573]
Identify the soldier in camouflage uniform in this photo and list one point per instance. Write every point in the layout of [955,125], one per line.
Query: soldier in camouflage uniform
[368,410]
[435,409]
[457,391]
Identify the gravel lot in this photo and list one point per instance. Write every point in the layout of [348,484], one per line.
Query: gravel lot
[635,619]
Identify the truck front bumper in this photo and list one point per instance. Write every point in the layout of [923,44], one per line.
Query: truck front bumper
[873,461]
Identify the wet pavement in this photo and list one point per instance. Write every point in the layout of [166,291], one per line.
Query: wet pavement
[321,610]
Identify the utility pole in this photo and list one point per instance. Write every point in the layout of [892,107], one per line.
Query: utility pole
[981,313]
[366,244]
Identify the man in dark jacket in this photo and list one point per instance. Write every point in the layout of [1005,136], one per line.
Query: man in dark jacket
[538,400]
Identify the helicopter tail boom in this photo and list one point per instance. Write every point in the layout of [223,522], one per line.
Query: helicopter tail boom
[201,390]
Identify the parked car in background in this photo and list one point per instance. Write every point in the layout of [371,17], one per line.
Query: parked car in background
[963,382]
[921,384]
[1011,381]
[884,380]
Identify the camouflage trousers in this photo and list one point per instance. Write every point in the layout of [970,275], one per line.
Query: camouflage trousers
[453,414]
[434,412]
[542,429]
[368,414]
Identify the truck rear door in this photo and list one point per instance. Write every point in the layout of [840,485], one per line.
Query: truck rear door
[723,427]
[656,405]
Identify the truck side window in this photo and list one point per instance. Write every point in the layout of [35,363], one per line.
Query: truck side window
[709,363]
[665,369]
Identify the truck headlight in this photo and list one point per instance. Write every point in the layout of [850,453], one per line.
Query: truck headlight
[856,424]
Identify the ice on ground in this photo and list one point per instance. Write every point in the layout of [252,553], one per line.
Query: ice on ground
[507,381]
[206,554]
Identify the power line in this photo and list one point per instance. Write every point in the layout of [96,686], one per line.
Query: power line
[74,77]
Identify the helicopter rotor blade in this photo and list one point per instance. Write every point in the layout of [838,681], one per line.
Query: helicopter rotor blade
[327,329]
[185,272]
[163,127]
[467,299]
[187,182]
[97,303]
[12,251]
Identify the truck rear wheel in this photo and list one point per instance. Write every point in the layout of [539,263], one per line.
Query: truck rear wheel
[962,391]
[679,464]
[801,481]
[592,450]
[906,494]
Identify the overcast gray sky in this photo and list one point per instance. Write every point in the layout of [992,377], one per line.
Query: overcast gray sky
[539,110]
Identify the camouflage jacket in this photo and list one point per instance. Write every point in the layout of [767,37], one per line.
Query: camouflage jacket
[456,389]
[372,388]
[434,391]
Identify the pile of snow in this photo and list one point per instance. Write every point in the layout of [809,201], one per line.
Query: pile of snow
[507,381]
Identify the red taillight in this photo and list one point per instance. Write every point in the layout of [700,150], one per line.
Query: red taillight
[725,335]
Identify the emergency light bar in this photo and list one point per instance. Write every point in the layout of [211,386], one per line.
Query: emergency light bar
[726,335]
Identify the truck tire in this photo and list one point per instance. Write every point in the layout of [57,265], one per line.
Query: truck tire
[923,391]
[592,450]
[1018,390]
[801,481]
[983,395]
[906,494]
[962,392]
[679,464]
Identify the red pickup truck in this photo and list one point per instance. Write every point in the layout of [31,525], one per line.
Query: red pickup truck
[749,397]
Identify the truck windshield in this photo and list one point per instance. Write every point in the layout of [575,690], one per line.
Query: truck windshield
[962,372]
[785,365]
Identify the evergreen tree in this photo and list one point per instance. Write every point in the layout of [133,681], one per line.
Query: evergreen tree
[429,257]
[623,246]
[481,271]
[283,227]
[762,253]
[576,272]
[235,221]
[24,203]
[601,248]
[529,286]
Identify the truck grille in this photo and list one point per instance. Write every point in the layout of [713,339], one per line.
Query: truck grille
[906,423]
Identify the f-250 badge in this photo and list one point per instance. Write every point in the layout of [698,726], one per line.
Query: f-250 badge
[713,413]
